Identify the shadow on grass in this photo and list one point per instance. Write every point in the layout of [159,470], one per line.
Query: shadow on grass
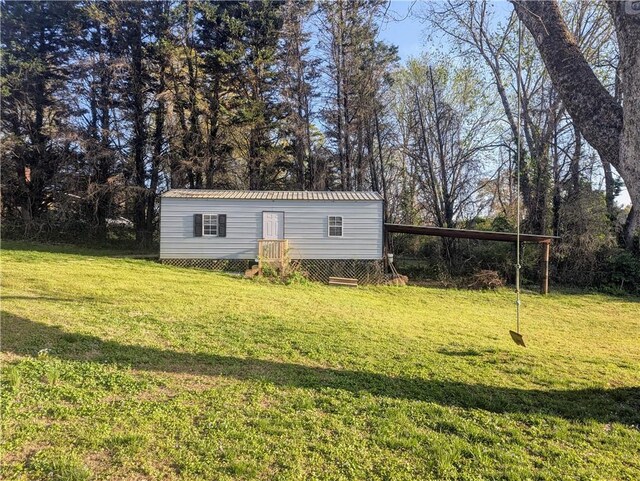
[49,298]
[26,337]
[80,250]
[464,352]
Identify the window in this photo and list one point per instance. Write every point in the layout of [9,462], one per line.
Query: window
[210,224]
[335,226]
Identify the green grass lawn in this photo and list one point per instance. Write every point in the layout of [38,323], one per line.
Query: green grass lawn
[128,370]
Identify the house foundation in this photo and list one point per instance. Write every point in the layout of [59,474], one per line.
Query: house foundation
[366,271]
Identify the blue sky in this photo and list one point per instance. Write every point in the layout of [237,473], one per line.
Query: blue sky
[406,31]
[403,29]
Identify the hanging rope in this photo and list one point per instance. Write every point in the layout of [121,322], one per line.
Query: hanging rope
[516,336]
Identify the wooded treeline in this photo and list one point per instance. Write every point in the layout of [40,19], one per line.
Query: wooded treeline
[107,104]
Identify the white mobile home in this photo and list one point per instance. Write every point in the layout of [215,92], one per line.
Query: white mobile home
[206,227]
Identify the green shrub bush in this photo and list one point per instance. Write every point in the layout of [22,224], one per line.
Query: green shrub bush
[619,270]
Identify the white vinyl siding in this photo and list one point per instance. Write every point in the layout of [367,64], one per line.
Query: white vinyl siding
[306,224]
[210,225]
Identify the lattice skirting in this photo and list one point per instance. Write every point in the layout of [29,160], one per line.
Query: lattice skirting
[227,265]
[366,271]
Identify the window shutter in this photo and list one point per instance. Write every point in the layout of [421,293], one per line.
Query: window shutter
[222,225]
[197,225]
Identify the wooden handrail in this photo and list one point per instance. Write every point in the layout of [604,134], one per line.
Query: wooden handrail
[272,251]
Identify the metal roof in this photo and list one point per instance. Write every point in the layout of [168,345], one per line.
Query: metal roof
[272,195]
[468,233]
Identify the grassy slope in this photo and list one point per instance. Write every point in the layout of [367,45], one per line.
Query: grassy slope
[155,372]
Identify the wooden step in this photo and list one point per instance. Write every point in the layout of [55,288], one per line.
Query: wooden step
[343,281]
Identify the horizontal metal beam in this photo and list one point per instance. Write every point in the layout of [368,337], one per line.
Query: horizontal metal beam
[468,233]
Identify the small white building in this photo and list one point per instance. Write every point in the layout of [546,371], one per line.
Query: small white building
[329,233]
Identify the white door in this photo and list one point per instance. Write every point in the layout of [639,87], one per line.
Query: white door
[273,225]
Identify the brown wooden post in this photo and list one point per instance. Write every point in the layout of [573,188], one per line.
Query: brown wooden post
[544,282]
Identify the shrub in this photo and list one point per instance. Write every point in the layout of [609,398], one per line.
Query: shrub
[619,270]
[485,279]
[296,277]
[291,272]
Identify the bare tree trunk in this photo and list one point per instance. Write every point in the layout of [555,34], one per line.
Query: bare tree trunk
[158,142]
[382,169]
[101,130]
[139,130]
[339,62]
[628,33]
[609,191]
[601,120]
[430,170]
[447,204]
[574,168]
[556,200]
[254,160]
[214,129]
[359,168]
[155,169]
